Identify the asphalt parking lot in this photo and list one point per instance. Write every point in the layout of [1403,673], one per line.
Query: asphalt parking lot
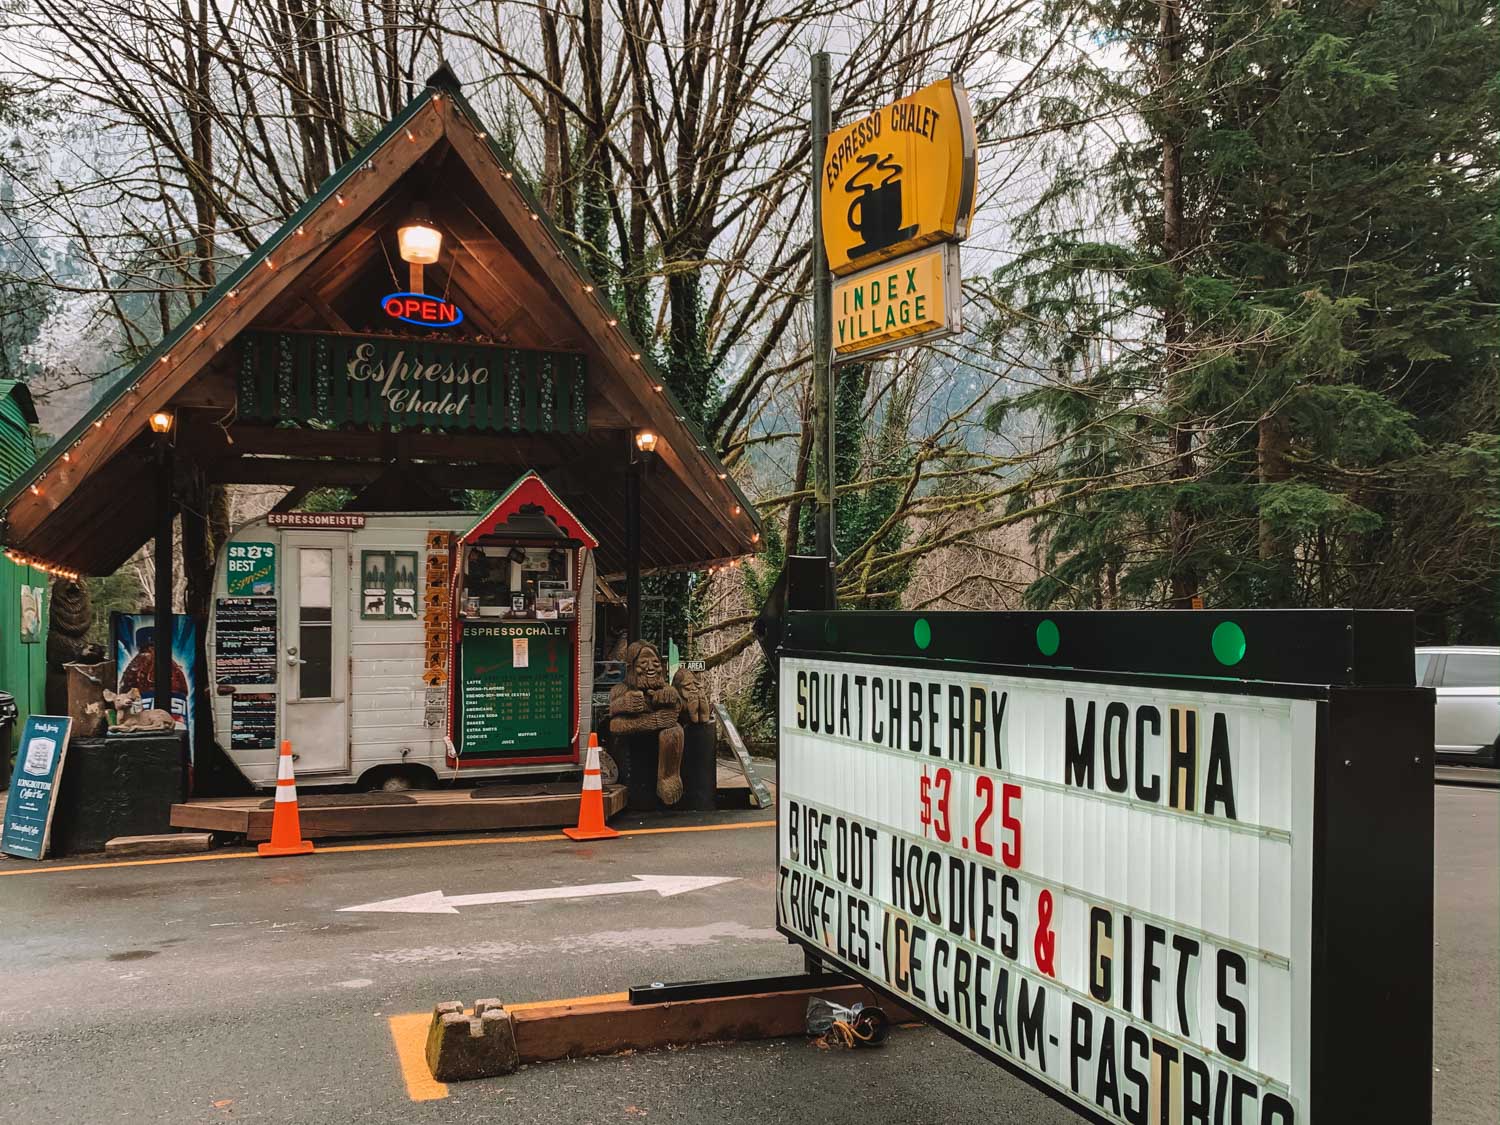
[240,989]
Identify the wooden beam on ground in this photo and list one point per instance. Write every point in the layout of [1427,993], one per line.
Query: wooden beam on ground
[575,1029]
[422,811]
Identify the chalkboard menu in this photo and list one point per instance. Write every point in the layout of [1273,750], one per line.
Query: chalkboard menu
[515,689]
[252,720]
[245,641]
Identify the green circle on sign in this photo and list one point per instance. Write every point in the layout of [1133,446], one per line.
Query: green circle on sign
[1047,637]
[1228,643]
[921,632]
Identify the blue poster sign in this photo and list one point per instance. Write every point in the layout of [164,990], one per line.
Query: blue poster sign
[135,663]
[33,786]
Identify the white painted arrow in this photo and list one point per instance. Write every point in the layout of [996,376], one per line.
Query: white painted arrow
[436,902]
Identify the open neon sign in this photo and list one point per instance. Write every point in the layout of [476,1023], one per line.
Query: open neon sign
[418,308]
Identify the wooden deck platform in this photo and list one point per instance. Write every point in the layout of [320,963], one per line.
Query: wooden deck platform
[418,811]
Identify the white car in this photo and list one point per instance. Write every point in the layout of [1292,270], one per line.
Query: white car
[1467,680]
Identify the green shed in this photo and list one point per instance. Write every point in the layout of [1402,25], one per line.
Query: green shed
[23,589]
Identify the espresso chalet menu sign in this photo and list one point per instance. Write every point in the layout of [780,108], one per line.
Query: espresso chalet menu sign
[515,689]
[1106,888]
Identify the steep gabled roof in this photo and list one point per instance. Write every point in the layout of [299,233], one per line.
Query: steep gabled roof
[530,489]
[65,510]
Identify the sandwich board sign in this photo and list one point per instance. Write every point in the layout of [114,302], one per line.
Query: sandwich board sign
[1167,867]
[33,786]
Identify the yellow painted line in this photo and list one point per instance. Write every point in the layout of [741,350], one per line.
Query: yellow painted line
[550,837]
[409,1032]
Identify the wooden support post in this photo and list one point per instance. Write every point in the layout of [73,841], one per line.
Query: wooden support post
[633,550]
[163,626]
[822,338]
[162,629]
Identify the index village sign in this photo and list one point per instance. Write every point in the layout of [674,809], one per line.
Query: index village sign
[897,197]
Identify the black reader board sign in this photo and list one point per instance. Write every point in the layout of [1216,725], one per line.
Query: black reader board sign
[1176,897]
[245,640]
[515,689]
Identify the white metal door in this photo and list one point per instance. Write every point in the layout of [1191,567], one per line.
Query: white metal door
[315,649]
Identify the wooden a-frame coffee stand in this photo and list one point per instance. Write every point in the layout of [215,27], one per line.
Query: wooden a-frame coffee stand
[299,369]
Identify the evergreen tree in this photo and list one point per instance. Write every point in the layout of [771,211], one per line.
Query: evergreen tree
[1278,387]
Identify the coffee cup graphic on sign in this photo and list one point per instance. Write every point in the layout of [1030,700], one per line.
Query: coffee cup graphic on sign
[875,211]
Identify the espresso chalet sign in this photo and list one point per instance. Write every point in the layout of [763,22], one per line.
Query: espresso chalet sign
[384,382]
[900,179]
[901,302]
[1106,887]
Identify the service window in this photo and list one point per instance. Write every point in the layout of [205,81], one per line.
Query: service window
[388,584]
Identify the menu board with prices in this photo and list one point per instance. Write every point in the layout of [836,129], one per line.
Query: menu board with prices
[252,721]
[245,641]
[516,689]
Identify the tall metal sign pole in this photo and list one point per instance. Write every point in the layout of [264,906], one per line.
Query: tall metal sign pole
[822,338]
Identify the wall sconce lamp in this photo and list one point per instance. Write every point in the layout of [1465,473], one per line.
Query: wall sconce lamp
[161,422]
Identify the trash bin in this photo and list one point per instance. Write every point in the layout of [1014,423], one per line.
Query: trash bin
[9,713]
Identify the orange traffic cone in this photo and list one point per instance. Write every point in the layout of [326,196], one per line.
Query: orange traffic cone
[591,824]
[286,826]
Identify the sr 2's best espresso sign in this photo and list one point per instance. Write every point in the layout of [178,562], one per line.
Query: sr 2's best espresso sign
[1108,888]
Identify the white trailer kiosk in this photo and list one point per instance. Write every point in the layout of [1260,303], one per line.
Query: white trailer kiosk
[406,648]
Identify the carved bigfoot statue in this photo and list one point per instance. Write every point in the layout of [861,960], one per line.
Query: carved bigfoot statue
[646,702]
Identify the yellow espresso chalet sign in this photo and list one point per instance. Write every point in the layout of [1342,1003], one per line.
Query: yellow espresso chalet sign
[896,303]
[900,179]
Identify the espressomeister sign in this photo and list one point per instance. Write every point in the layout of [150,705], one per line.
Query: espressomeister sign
[1108,887]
